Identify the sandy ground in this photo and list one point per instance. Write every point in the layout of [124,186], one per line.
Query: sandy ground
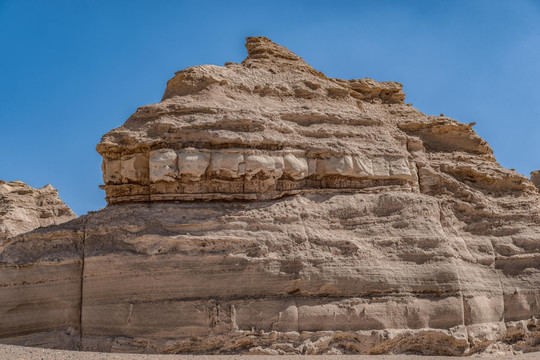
[9,352]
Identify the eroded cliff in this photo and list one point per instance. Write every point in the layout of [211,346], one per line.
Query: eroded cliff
[263,207]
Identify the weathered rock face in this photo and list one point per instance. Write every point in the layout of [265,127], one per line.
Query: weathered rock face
[38,276]
[23,208]
[269,127]
[535,178]
[339,219]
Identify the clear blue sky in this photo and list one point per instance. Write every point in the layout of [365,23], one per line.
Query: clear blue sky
[72,70]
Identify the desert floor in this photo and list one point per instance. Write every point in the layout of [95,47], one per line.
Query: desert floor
[9,352]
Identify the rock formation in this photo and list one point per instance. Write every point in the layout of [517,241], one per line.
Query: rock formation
[535,178]
[23,208]
[269,127]
[263,207]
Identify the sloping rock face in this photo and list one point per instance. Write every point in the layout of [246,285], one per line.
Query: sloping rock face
[23,208]
[262,207]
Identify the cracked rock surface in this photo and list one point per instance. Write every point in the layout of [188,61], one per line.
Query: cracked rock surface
[264,208]
[23,208]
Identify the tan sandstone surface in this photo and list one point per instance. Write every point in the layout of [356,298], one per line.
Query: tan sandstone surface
[23,208]
[264,208]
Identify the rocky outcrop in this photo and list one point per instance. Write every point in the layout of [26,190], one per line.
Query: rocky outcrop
[23,208]
[262,207]
[269,127]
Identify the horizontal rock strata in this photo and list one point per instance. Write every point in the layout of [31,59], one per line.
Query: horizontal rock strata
[40,287]
[40,271]
[205,174]
[364,273]
[255,131]
[338,220]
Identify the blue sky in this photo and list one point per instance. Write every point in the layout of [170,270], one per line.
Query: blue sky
[73,70]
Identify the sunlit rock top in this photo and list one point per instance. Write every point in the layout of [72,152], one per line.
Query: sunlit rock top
[272,126]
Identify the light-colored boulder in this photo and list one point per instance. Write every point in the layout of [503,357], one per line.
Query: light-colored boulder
[400,168]
[268,166]
[163,165]
[193,163]
[295,167]
[380,166]
[362,165]
[342,165]
[279,166]
[135,168]
[226,163]
[111,171]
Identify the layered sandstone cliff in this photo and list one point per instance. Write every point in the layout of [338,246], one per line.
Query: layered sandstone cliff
[269,127]
[263,207]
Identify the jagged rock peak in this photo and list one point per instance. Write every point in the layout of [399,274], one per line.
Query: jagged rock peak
[261,47]
[271,59]
[23,208]
[263,53]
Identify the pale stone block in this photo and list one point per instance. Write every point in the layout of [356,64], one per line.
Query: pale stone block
[341,165]
[193,162]
[111,171]
[135,167]
[163,165]
[269,165]
[362,165]
[226,163]
[279,166]
[381,167]
[399,167]
[259,163]
[295,167]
